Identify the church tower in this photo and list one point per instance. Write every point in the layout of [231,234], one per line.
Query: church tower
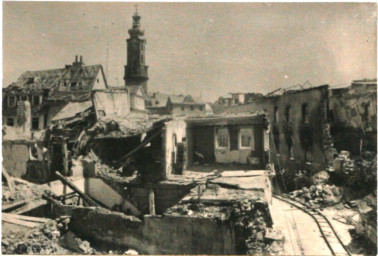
[136,69]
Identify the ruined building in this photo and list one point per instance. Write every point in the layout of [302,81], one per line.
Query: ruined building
[169,104]
[49,91]
[311,124]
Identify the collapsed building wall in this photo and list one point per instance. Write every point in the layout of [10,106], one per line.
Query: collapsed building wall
[354,120]
[296,118]
[15,157]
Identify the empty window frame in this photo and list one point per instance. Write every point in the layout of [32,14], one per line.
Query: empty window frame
[288,114]
[11,101]
[35,100]
[246,140]
[305,118]
[275,115]
[222,138]
[10,121]
[35,123]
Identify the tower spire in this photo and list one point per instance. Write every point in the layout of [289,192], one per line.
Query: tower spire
[136,68]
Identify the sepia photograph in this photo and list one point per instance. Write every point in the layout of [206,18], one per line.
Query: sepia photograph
[200,128]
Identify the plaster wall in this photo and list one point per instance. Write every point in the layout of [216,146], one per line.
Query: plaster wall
[100,191]
[156,235]
[15,157]
[173,129]
[111,103]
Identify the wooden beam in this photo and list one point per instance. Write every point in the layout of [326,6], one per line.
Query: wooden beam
[140,146]
[9,180]
[11,207]
[85,197]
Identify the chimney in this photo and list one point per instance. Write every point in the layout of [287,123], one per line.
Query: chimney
[75,58]
[81,59]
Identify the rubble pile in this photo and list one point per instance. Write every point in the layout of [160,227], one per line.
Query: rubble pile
[358,174]
[253,231]
[39,240]
[200,211]
[51,238]
[23,190]
[319,195]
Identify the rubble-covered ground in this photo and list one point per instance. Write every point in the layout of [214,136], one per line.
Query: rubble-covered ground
[23,191]
[53,237]
[318,196]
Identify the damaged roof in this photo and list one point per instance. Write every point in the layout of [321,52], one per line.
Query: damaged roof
[71,83]
[80,77]
[123,127]
[243,118]
[72,109]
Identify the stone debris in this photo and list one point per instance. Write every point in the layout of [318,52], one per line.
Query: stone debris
[317,196]
[24,190]
[252,223]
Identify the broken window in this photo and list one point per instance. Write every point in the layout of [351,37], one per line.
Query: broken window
[308,155]
[276,137]
[35,123]
[246,138]
[275,116]
[365,116]
[290,151]
[11,101]
[221,137]
[305,119]
[10,121]
[288,114]
[35,100]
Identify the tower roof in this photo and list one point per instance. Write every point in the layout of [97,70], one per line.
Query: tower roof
[136,30]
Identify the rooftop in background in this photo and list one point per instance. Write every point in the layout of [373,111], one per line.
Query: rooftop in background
[69,83]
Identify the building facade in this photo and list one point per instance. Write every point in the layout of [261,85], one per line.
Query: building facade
[48,91]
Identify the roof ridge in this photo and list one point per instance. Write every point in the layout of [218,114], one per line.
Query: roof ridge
[55,69]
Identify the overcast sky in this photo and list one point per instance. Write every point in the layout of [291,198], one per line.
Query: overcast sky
[206,49]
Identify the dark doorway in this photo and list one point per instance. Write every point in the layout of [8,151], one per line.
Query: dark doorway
[203,138]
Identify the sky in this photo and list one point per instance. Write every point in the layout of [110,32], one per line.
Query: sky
[203,49]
